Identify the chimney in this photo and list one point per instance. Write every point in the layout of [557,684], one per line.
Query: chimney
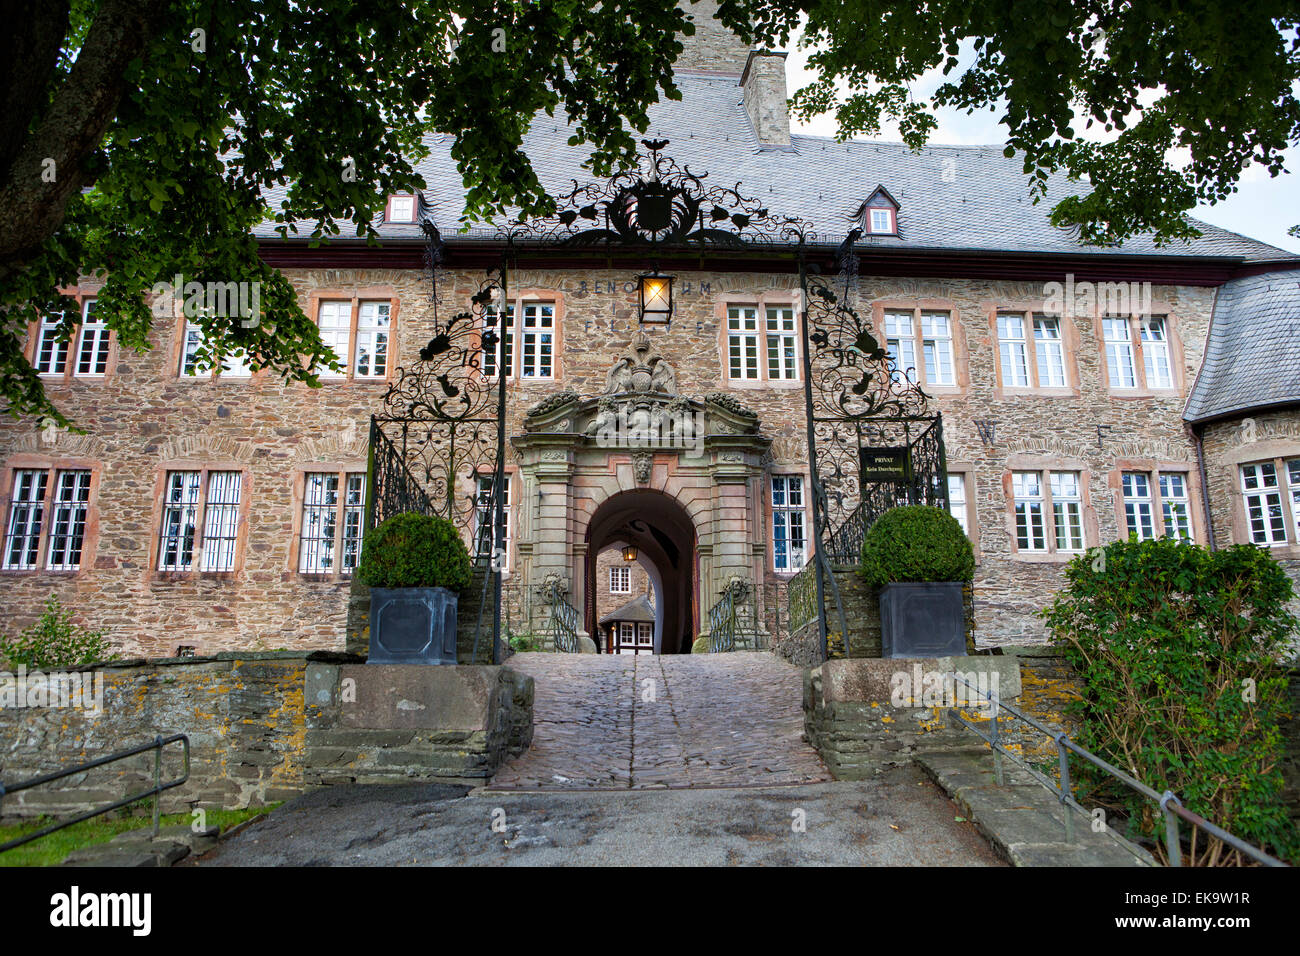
[763,82]
[713,48]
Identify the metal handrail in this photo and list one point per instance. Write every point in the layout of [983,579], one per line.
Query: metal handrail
[563,621]
[158,786]
[1169,804]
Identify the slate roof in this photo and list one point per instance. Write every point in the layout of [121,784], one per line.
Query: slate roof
[951,197]
[1252,358]
[638,609]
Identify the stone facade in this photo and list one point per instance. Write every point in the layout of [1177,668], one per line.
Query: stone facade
[1242,440]
[144,420]
[639,583]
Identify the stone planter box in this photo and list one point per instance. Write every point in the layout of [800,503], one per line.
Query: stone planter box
[412,626]
[922,619]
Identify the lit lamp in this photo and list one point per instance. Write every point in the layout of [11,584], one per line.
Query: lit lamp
[629,552]
[656,296]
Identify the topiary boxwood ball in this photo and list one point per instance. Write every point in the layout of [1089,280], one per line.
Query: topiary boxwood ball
[916,543]
[414,551]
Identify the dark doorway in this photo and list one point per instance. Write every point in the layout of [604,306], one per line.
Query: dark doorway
[664,536]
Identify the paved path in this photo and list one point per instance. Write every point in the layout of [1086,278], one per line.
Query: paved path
[606,722]
[896,819]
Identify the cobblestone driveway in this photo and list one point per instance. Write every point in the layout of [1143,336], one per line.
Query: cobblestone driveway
[697,720]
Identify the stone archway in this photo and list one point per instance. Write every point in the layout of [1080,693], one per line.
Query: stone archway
[664,535]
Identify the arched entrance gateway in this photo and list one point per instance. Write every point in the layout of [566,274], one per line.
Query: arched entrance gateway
[642,465]
[663,535]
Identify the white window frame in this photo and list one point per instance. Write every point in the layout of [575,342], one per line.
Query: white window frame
[69,512]
[1264,497]
[407,203]
[958,504]
[1013,350]
[742,343]
[620,579]
[937,358]
[337,336]
[538,339]
[1139,348]
[51,355]
[1049,351]
[92,344]
[374,334]
[235,365]
[900,343]
[26,519]
[207,505]
[789,523]
[331,522]
[1049,496]
[1139,505]
[1157,362]
[782,344]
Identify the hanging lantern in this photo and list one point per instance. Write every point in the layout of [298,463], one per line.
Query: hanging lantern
[656,296]
[629,552]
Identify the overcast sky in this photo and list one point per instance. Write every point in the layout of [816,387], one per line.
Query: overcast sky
[1263,207]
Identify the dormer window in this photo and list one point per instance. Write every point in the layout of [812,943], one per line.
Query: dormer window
[400,209]
[880,214]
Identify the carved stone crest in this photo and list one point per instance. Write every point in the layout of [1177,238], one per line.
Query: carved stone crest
[641,369]
[642,463]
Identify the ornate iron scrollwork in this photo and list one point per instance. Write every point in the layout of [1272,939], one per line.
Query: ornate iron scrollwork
[660,204]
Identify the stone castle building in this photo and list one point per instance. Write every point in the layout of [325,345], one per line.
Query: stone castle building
[1086,393]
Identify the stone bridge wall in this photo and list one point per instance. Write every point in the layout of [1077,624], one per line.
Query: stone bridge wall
[265,727]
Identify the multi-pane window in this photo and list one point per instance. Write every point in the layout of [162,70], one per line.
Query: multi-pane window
[882,221]
[51,355]
[742,342]
[1031,350]
[538,340]
[92,349]
[1138,505]
[68,519]
[533,326]
[620,579]
[1067,510]
[233,364]
[80,352]
[1049,352]
[1175,505]
[26,519]
[920,346]
[936,348]
[957,503]
[401,209]
[1027,488]
[1155,353]
[789,541]
[483,517]
[781,354]
[900,341]
[1013,350]
[373,323]
[333,505]
[1266,507]
[1125,339]
[1043,497]
[185,509]
[1156,504]
[505,342]
[55,502]
[1120,368]
[335,322]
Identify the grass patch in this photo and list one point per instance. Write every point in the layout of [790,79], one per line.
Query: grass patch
[53,849]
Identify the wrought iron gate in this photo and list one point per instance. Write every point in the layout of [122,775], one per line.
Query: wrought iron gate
[438,447]
[873,443]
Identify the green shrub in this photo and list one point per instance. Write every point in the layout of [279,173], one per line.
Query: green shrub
[56,643]
[1178,648]
[521,643]
[414,551]
[916,543]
